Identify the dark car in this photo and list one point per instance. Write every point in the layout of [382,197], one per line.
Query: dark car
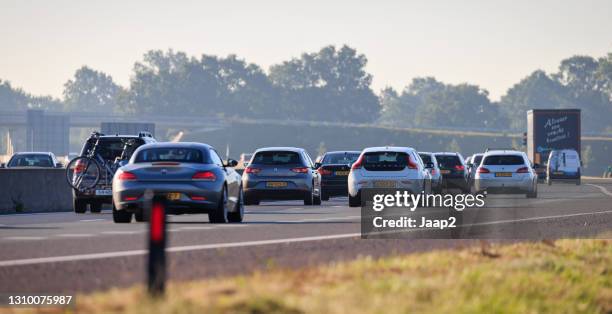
[33,160]
[334,168]
[191,176]
[281,173]
[110,147]
[472,165]
[453,170]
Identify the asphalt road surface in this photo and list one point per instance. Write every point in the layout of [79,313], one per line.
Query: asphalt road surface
[66,252]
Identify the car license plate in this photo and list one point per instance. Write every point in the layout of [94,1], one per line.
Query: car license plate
[276,184]
[444,171]
[173,196]
[503,174]
[559,173]
[342,173]
[384,184]
[104,192]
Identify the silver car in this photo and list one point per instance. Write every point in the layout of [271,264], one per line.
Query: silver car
[191,176]
[281,173]
[431,164]
[387,167]
[506,172]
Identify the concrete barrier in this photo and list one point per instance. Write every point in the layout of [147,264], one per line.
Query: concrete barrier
[34,190]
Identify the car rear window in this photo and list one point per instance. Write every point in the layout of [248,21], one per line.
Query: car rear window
[171,154]
[503,160]
[426,158]
[448,161]
[277,158]
[385,161]
[340,158]
[477,160]
[31,160]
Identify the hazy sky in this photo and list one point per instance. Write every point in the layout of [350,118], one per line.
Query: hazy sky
[490,43]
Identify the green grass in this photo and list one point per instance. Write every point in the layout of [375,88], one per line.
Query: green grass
[567,276]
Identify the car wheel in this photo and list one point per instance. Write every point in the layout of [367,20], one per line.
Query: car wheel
[95,207]
[317,200]
[309,198]
[121,216]
[324,196]
[578,182]
[79,206]
[533,194]
[140,216]
[238,214]
[219,215]
[355,201]
[251,200]
[548,181]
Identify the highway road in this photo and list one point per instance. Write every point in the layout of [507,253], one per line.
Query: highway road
[65,252]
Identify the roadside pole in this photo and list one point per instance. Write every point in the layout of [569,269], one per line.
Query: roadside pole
[157,247]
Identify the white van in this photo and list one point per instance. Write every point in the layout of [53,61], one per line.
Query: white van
[563,165]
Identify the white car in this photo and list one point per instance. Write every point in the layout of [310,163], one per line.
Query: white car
[387,167]
[506,172]
[563,165]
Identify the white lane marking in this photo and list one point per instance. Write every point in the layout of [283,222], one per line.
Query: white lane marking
[91,220]
[121,232]
[319,219]
[24,238]
[75,235]
[603,189]
[71,258]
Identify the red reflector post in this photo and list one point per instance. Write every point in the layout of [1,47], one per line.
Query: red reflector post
[157,247]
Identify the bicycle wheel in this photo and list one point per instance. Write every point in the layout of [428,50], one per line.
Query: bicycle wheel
[83,173]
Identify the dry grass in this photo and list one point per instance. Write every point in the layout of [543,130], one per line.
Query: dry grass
[567,276]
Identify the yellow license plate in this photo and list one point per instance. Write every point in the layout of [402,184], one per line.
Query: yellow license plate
[342,173]
[444,171]
[173,196]
[384,184]
[276,184]
[503,174]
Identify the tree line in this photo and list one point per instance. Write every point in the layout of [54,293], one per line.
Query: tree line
[331,84]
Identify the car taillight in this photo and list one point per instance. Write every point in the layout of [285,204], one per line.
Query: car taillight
[126,176]
[300,169]
[433,171]
[459,167]
[198,198]
[522,170]
[411,164]
[204,176]
[79,166]
[252,170]
[483,170]
[358,164]
[324,172]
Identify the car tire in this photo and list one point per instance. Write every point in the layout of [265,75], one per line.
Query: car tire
[121,216]
[578,182]
[139,216]
[309,198]
[548,181]
[355,201]
[219,214]
[324,196]
[251,200]
[533,194]
[79,206]
[238,214]
[317,200]
[95,207]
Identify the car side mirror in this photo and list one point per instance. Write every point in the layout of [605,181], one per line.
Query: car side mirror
[2,165]
[470,165]
[429,165]
[230,163]
[59,165]
[536,166]
[317,165]
[246,164]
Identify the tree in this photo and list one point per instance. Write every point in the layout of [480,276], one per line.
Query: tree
[15,99]
[91,91]
[329,85]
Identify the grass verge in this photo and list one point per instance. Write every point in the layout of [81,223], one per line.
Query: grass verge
[566,276]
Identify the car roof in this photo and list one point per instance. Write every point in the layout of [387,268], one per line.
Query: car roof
[447,153]
[504,152]
[428,153]
[280,148]
[343,152]
[478,154]
[388,149]
[176,144]
[33,153]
